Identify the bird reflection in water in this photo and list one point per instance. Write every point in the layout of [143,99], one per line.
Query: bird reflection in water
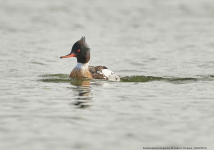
[82,93]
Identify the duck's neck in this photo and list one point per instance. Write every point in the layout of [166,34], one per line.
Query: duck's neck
[85,58]
[82,66]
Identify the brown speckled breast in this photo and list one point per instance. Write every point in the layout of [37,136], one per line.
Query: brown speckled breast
[80,74]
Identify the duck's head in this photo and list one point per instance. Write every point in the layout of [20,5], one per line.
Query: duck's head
[80,50]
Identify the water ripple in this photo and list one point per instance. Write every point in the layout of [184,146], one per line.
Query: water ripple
[56,78]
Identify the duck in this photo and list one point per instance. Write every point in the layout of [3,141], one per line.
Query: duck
[82,70]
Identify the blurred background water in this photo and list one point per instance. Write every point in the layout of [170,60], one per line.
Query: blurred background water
[163,50]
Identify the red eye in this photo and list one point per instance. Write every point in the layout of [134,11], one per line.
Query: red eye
[78,50]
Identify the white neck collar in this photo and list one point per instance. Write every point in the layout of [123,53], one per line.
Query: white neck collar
[82,65]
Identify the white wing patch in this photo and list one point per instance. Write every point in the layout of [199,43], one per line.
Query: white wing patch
[109,74]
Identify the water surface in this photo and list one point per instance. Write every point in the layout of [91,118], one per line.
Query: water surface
[162,50]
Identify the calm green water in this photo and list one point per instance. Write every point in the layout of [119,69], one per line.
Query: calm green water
[162,50]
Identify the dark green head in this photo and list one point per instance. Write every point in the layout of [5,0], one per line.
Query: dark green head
[80,50]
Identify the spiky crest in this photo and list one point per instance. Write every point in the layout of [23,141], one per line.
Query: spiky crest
[82,41]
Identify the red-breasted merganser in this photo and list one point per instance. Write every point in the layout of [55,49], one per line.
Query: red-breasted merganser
[81,51]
